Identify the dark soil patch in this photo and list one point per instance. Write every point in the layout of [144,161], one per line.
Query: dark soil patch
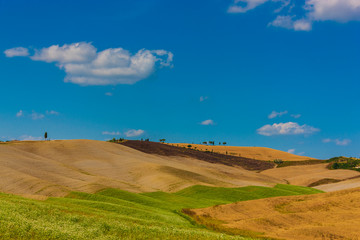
[324,181]
[167,150]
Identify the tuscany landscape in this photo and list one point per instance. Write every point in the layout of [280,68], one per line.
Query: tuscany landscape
[154,119]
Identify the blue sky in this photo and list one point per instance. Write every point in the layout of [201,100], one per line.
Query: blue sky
[282,74]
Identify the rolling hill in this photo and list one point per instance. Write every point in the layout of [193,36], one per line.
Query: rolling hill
[258,153]
[332,215]
[55,168]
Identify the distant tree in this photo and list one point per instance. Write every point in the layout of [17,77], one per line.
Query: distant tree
[162,140]
[45,136]
[189,146]
[212,143]
[219,143]
[224,143]
[205,143]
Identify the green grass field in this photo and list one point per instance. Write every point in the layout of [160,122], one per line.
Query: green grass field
[117,214]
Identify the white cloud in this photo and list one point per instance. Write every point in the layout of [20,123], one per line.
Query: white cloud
[312,11]
[288,22]
[288,128]
[292,151]
[339,142]
[29,138]
[242,6]
[20,113]
[111,133]
[84,65]
[108,94]
[203,98]
[17,52]
[52,112]
[275,114]
[302,25]
[134,133]
[68,53]
[296,115]
[36,116]
[343,142]
[207,122]
[334,10]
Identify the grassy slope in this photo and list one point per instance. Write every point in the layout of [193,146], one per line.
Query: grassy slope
[117,214]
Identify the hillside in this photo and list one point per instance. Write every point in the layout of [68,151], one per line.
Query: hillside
[332,215]
[308,174]
[55,168]
[117,214]
[258,153]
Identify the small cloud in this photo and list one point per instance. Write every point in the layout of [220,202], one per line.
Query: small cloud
[242,6]
[207,122]
[17,52]
[111,133]
[288,22]
[292,151]
[134,133]
[36,116]
[20,113]
[288,128]
[339,142]
[52,112]
[301,153]
[29,138]
[203,98]
[275,114]
[296,115]
[108,94]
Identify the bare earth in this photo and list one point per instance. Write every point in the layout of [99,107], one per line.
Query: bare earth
[259,153]
[334,215]
[53,168]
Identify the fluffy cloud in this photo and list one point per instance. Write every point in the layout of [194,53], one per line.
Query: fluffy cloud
[111,133]
[84,65]
[334,10]
[312,11]
[275,114]
[20,113]
[288,22]
[134,133]
[292,151]
[17,52]
[288,128]
[343,142]
[207,122]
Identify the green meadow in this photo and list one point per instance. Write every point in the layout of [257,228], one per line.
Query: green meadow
[117,214]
